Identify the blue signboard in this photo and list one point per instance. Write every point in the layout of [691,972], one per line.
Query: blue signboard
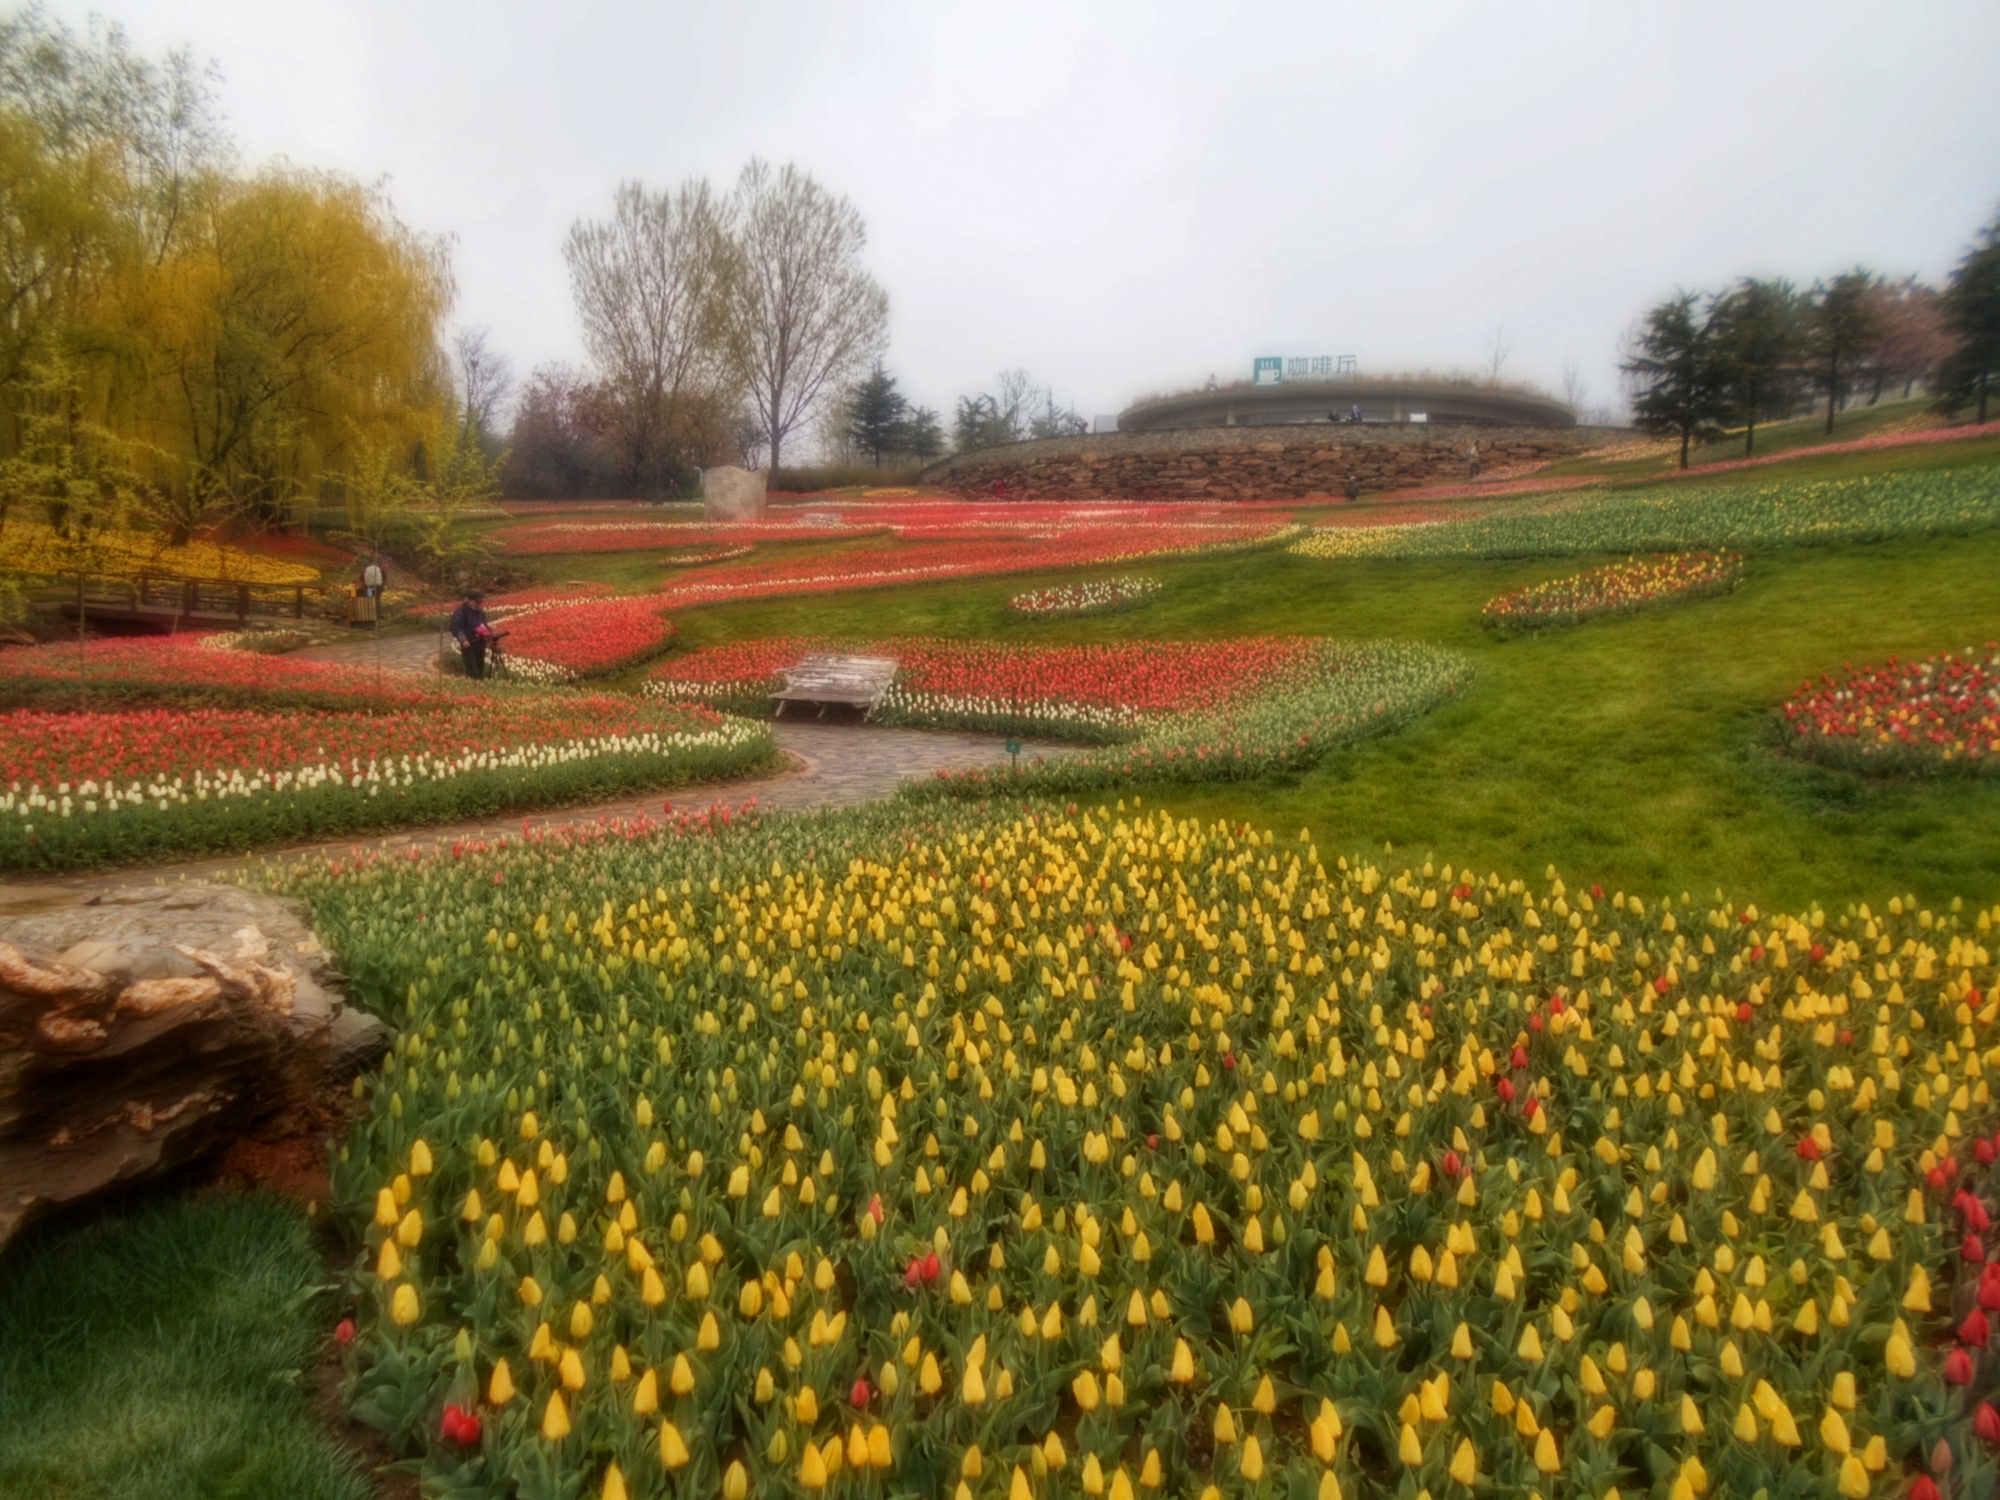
[1267,371]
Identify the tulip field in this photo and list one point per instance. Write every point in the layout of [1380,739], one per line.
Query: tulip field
[1939,716]
[1693,514]
[1226,710]
[1048,1151]
[1102,596]
[1614,589]
[146,749]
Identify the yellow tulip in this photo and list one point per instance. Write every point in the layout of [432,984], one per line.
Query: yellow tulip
[1465,1463]
[404,1309]
[500,1386]
[555,1418]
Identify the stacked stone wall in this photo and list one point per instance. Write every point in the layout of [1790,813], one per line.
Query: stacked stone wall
[1269,463]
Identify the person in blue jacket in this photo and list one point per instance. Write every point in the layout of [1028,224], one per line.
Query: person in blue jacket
[469,629]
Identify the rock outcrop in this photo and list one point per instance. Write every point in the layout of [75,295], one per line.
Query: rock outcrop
[1278,462]
[732,494]
[143,1029]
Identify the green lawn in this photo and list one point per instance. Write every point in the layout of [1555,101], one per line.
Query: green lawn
[1632,751]
[168,1352]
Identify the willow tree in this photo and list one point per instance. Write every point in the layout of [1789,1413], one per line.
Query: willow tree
[295,324]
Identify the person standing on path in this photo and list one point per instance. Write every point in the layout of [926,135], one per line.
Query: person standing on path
[371,589]
[469,630]
[1472,458]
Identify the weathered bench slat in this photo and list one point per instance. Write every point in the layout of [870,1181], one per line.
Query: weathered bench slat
[857,680]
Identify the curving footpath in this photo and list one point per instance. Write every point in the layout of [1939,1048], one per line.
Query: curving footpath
[831,765]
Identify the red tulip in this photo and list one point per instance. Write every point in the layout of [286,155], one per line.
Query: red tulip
[460,1426]
[1846,1037]
[1989,1289]
[1937,1179]
[343,1331]
[1520,1056]
[875,1207]
[913,1277]
[858,1394]
[1535,1023]
[1757,953]
[1229,1062]
[1921,1488]
[1662,985]
[1972,1250]
[1531,1107]
[1505,1089]
[1152,1142]
[1807,1148]
[1556,1006]
[932,1266]
[1597,893]
[1986,1422]
[1745,918]
[1817,953]
[1958,1367]
[1983,1152]
[1743,1012]
[1974,1330]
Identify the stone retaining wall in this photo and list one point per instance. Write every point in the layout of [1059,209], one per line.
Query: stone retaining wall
[1255,463]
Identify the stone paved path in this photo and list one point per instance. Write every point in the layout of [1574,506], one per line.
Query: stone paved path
[832,765]
[397,653]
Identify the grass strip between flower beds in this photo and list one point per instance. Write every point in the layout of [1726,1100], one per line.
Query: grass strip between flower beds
[1070,1150]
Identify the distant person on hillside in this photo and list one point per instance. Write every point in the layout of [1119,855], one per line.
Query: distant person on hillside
[1472,457]
[470,630]
[1353,488]
[1355,416]
[1000,489]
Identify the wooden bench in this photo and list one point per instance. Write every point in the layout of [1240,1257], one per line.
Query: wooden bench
[855,681]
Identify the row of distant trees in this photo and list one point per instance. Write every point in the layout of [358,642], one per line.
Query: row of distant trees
[186,343]
[1764,350]
[876,423]
[718,326]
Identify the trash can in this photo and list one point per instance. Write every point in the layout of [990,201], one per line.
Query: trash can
[360,609]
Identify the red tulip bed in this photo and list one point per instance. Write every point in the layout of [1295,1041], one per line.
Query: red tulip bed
[563,642]
[109,766]
[1333,694]
[1082,692]
[1615,589]
[935,561]
[1938,716]
[542,538]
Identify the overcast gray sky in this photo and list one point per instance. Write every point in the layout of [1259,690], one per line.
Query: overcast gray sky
[1128,197]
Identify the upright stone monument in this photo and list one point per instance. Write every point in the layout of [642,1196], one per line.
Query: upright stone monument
[732,494]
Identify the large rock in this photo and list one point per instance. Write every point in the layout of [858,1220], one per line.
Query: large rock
[143,1029]
[732,494]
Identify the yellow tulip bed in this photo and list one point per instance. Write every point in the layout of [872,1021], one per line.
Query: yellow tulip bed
[1691,514]
[32,547]
[1049,1152]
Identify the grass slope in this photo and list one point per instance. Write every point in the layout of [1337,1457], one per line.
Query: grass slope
[1636,749]
[167,1352]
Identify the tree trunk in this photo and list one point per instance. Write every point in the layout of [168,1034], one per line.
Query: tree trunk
[1832,392]
[1686,434]
[1750,438]
[1982,398]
